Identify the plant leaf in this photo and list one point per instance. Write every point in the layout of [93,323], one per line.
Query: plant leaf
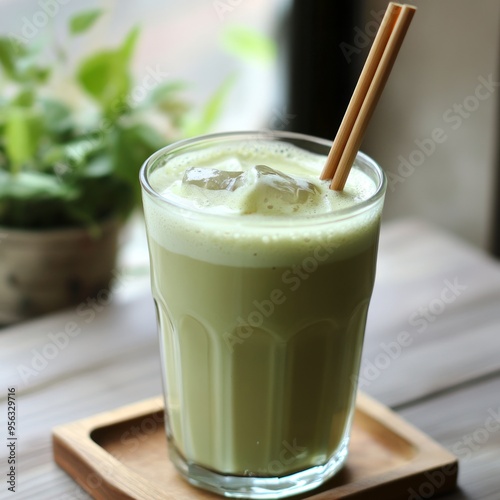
[23,130]
[248,44]
[164,92]
[84,21]
[103,78]
[57,116]
[128,46]
[79,150]
[101,195]
[25,98]
[8,57]
[26,185]
[165,98]
[106,75]
[212,109]
[33,200]
[131,146]
[18,62]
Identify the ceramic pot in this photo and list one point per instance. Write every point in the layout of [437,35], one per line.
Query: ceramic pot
[46,270]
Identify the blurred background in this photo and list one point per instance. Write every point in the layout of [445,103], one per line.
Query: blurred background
[293,65]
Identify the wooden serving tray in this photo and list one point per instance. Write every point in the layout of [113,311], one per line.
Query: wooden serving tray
[122,454]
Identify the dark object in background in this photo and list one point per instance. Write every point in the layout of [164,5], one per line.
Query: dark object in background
[495,219]
[321,78]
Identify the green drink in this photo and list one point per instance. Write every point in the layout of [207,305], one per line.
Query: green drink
[262,278]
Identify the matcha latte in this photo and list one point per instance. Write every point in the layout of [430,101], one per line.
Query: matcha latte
[262,278]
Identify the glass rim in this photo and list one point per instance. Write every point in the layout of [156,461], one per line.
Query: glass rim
[272,220]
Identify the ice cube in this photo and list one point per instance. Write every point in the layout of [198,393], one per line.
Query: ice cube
[258,190]
[282,186]
[268,191]
[213,179]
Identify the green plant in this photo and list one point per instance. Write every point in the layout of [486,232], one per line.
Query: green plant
[60,169]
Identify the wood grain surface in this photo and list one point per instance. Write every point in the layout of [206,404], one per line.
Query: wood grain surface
[431,354]
[122,454]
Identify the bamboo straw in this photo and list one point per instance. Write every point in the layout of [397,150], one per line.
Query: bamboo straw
[358,96]
[367,93]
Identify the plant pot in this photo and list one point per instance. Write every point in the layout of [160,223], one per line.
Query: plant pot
[45,270]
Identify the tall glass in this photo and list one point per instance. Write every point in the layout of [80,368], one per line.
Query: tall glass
[261,326]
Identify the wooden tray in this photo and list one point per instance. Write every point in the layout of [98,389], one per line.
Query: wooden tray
[122,454]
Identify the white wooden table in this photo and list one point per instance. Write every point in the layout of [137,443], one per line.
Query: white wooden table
[432,353]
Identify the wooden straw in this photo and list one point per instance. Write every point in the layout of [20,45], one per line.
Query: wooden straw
[367,93]
[358,96]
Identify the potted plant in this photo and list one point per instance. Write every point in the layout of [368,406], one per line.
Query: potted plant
[69,167]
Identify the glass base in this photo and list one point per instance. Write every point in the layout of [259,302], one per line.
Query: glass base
[259,487]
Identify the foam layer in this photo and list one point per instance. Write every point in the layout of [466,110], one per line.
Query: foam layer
[300,165]
[216,225]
